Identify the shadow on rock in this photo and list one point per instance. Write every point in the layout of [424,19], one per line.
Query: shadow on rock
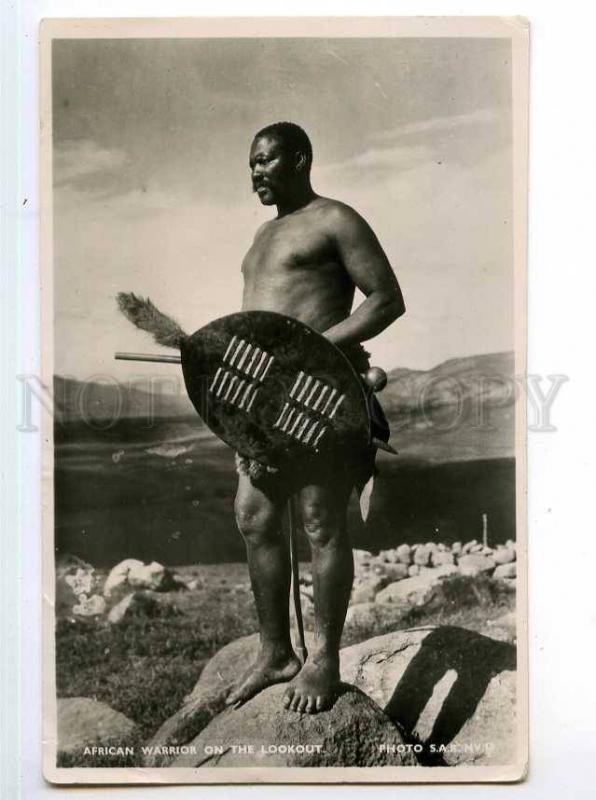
[448,688]
[475,659]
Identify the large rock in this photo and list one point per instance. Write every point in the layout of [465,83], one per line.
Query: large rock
[371,616]
[118,576]
[347,735]
[77,585]
[207,698]
[153,576]
[142,604]
[199,708]
[392,572]
[449,688]
[134,574]
[441,557]
[417,590]
[508,570]
[67,564]
[475,563]
[204,719]
[366,589]
[422,556]
[504,555]
[92,606]
[227,665]
[468,546]
[83,722]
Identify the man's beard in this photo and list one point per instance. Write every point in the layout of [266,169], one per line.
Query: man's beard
[267,198]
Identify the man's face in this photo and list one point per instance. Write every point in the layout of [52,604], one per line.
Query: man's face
[271,170]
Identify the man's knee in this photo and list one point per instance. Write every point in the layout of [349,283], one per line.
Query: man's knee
[256,523]
[319,523]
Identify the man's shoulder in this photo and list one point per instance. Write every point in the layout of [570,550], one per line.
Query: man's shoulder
[336,214]
[263,227]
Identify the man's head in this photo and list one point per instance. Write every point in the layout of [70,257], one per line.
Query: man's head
[280,161]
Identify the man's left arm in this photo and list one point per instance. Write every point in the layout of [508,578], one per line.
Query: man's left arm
[368,266]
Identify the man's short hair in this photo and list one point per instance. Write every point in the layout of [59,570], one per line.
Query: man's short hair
[291,136]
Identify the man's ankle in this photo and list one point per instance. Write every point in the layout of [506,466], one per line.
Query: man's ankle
[325,651]
[276,651]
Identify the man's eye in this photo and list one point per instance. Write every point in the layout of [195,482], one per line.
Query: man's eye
[261,160]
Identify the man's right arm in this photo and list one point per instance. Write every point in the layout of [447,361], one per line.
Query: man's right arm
[365,261]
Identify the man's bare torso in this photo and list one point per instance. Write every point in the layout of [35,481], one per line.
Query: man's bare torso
[293,267]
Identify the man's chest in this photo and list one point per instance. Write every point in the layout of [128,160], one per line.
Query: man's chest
[284,247]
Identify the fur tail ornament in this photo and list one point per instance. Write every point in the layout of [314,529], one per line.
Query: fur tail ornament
[142,313]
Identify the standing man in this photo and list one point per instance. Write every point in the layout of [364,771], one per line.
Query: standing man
[305,263]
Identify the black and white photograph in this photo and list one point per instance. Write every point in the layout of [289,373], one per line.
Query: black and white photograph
[283,284]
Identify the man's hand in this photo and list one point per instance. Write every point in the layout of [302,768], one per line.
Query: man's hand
[366,263]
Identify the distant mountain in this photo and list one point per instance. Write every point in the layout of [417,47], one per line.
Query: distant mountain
[76,400]
[458,380]
[462,408]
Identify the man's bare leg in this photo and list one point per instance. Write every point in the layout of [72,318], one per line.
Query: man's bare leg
[258,517]
[324,518]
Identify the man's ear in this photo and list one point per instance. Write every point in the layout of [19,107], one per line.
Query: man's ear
[300,162]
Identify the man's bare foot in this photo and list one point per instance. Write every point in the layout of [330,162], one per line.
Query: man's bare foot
[316,685]
[266,671]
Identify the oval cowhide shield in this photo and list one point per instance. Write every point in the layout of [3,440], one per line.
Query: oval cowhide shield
[275,390]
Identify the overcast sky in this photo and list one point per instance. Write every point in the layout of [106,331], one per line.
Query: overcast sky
[152,190]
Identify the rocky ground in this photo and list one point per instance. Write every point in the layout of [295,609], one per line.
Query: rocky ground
[136,646]
[396,581]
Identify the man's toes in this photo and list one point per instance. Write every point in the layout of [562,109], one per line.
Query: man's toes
[311,705]
[303,704]
[320,703]
[235,698]
[231,698]
[288,697]
[297,699]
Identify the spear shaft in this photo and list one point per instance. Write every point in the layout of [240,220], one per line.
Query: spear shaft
[147,357]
